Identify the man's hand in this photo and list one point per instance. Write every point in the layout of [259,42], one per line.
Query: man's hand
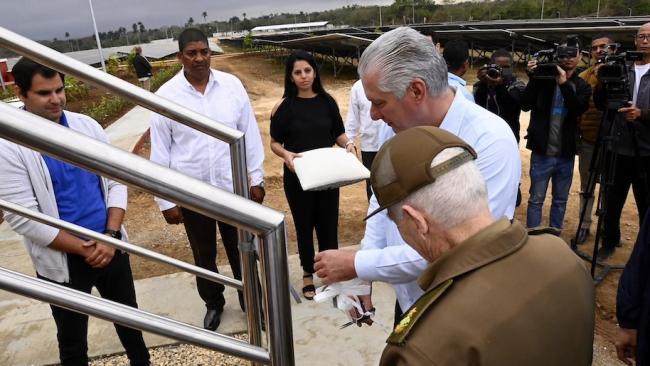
[335,265]
[257,193]
[532,65]
[366,302]
[100,255]
[626,345]
[631,113]
[561,77]
[173,216]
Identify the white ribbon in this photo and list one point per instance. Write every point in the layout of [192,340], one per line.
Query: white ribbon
[346,294]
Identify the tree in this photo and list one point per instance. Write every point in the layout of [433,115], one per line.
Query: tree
[243,15]
[142,28]
[190,22]
[67,36]
[205,16]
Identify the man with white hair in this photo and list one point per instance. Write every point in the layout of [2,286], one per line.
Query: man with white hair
[494,295]
[405,79]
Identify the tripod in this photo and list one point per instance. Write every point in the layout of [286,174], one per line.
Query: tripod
[602,165]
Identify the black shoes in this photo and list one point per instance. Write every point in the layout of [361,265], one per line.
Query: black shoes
[605,252]
[583,233]
[212,319]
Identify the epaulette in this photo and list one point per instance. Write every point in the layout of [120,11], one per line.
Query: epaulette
[405,325]
[544,230]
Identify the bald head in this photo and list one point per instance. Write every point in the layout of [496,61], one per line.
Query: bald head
[642,41]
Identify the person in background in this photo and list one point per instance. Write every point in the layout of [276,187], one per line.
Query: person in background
[556,105]
[307,118]
[55,188]
[359,123]
[589,127]
[143,69]
[456,54]
[221,97]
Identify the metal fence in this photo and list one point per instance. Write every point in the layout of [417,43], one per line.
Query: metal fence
[251,218]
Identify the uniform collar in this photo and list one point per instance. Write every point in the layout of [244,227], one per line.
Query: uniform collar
[498,240]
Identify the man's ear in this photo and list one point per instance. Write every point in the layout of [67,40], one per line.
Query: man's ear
[19,93]
[418,219]
[418,88]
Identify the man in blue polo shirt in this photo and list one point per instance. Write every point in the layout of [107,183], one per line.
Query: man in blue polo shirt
[43,183]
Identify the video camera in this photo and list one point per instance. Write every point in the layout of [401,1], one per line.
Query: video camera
[547,60]
[614,75]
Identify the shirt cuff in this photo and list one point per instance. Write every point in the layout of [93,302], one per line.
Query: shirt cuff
[365,264]
[164,205]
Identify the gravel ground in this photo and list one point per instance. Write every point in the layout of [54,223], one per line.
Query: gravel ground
[181,354]
[184,354]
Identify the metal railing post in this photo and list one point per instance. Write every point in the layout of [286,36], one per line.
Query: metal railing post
[246,247]
[273,258]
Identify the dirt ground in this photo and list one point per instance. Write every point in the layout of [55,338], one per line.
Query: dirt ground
[263,80]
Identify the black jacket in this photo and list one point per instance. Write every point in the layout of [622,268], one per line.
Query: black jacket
[633,297]
[142,66]
[538,98]
[625,133]
[508,101]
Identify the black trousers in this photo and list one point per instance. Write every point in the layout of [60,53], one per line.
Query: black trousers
[628,171]
[114,282]
[202,235]
[367,157]
[312,210]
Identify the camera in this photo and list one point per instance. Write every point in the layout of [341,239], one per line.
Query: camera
[547,60]
[602,55]
[614,75]
[494,71]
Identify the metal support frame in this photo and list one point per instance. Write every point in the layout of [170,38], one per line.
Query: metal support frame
[169,186]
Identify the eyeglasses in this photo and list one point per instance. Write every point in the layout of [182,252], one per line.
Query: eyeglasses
[643,37]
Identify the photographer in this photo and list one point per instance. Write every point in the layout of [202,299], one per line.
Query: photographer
[631,144]
[498,89]
[556,97]
[589,126]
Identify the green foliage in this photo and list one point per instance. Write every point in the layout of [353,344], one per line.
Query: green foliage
[113,65]
[8,93]
[75,89]
[160,77]
[107,107]
[248,40]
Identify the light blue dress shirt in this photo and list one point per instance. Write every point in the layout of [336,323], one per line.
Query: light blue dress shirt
[384,256]
[459,83]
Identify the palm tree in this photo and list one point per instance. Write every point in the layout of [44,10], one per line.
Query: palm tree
[190,21]
[243,15]
[67,36]
[205,16]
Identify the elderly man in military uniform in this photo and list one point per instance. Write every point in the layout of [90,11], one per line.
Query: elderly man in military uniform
[494,295]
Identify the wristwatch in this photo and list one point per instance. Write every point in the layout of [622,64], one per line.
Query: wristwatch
[114,234]
[260,184]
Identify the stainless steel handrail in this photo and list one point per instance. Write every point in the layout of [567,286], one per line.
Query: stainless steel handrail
[235,138]
[125,315]
[119,244]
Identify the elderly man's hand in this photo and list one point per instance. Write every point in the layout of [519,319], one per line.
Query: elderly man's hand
[335,265]
[626,345]
[173,216]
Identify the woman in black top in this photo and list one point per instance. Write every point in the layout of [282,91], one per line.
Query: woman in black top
[307,118]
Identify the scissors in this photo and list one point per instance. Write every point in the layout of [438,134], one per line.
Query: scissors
[366,318]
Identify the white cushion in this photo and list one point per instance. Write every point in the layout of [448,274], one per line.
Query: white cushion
[329,167]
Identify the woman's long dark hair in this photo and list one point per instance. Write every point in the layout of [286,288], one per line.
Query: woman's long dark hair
[290,88]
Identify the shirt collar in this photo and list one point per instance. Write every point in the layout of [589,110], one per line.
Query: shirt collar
[212,81]
[498,240]
[456,113]
[457,78]
[63,121]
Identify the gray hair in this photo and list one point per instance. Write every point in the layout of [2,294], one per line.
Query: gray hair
[400,56]
[453,198]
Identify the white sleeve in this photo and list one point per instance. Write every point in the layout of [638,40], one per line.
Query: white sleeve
[16,187]
[501,169]
[353,120]
[161,142]
[254,147]
[380,260]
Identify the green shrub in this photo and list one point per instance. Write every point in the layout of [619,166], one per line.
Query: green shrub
[8,93]
[160,77]
[75,89]
[106,108]
[113,65]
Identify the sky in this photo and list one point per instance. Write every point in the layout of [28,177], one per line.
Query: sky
[47,19]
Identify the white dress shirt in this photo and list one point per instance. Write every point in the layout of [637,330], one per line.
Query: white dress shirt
[196,154]
[359,122]
[457,82]
[384,256]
